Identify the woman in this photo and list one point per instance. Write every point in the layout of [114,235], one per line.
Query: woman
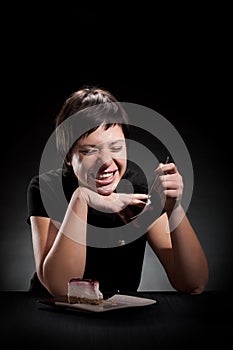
[96,236]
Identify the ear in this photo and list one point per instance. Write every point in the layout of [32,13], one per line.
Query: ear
[67,160]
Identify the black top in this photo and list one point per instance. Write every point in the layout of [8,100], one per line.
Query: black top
[116,266]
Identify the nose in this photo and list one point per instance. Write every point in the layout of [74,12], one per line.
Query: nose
[104,158]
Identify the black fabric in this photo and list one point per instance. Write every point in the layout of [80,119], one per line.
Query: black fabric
[36,287]
[116,267]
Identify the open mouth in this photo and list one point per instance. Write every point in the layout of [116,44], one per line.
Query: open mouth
[105,178]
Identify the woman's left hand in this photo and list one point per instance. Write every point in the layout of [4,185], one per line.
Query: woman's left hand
[169,185]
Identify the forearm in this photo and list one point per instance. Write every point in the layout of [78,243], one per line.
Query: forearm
[190,268]
[67,257]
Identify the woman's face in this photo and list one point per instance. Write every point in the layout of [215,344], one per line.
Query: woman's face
[99,159]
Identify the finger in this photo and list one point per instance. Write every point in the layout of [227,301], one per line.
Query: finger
[170,184]
[140,196]
[175,178]
[138,202]
[166,168]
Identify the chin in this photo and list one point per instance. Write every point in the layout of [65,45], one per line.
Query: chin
[106,191]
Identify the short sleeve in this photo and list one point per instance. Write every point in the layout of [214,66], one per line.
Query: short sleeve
[34,202]
[46,197]
[35,205]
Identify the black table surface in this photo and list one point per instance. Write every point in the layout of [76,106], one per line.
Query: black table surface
[175,320]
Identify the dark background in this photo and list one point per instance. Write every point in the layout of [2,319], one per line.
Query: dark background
[174,60]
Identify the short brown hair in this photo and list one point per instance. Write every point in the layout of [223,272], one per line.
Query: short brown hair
[88,108]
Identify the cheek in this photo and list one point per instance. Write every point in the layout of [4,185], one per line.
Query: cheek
[76,164]
[123,159]
[80,167]
[124,154]
[124,165]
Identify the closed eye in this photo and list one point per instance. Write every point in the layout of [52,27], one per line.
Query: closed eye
[89,151]
[116,148]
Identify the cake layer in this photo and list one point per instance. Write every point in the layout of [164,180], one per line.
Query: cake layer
[75,300]
[84,291]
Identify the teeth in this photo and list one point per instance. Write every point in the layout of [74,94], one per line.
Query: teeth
[104,176]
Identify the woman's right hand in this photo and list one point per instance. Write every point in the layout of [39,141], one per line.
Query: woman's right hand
[113,203]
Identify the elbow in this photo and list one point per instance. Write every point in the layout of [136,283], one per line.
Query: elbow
[44,283]
[192,283]
[203,281]
[56,289]
[54,284]
[201,287]
[193,287]
[197,290]
[192,290]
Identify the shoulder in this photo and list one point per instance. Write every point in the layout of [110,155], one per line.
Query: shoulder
[47,183]
[48,194]
[47,177]
[54,181]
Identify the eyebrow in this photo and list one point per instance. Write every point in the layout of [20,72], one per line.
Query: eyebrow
[111,143]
